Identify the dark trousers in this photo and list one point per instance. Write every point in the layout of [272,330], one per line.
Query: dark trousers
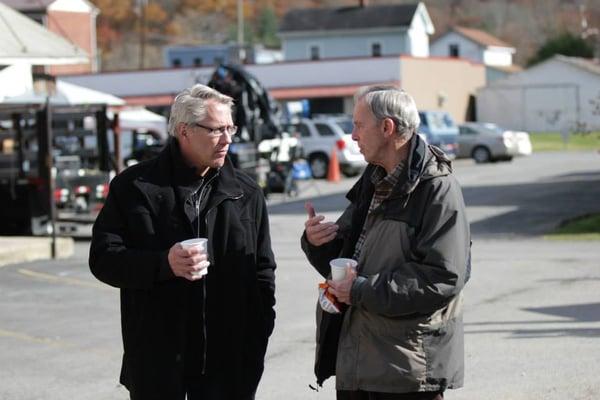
[205,388]
[196,388]
[362,395]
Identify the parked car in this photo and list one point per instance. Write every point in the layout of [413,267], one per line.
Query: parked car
[322,135]
[438,128]
[485,142]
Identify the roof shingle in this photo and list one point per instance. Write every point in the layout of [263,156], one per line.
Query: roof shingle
[28,5]
[589,64]
[480,37]
[314,19]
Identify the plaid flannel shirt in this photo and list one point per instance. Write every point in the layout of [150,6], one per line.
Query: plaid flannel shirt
[384,184]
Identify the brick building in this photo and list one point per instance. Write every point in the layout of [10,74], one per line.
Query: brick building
[75,20]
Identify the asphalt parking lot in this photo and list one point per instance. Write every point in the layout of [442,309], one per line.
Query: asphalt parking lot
[532,311]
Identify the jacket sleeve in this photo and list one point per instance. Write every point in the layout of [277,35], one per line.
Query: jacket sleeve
[112,262]
[265,264]
[436,269]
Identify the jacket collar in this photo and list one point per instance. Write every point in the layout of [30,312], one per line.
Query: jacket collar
[424,162]
[164,174]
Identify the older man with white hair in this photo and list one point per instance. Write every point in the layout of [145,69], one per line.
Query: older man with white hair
[399,334]
[189,331]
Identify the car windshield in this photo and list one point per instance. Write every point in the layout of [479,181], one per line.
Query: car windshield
[440,121]
[346,125]
[493,128]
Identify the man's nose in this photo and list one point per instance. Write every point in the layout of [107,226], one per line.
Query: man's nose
[354,135]
[226,138]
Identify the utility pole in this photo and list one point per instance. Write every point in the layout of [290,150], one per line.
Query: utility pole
[142,21]
[240,31]
[587,31]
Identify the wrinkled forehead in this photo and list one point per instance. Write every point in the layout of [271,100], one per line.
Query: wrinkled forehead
[362,111]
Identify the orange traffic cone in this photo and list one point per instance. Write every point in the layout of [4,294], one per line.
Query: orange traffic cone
[333,172]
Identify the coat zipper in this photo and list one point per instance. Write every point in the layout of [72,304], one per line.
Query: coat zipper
[204,292]
[198,201]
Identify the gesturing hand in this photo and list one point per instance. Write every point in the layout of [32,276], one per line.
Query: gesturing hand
[318,232]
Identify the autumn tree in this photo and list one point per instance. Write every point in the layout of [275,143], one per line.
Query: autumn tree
[115,18]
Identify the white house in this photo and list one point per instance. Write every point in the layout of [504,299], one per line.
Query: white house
[359,31]
[478,46]
[560,94]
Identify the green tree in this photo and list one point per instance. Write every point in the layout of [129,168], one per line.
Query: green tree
[266,27]
[565,44]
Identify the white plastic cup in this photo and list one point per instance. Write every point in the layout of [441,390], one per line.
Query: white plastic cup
[338,267]
[202,244]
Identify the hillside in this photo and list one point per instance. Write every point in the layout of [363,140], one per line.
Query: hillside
[526,24]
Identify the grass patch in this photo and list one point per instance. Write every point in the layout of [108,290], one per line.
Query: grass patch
[544,141]
[586,227]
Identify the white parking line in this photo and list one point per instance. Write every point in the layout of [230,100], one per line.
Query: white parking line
[33,339]
[64,280]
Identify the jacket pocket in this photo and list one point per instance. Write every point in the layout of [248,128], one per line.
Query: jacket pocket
[391,353]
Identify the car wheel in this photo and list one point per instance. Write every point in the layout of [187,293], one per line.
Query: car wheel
[481,154]
[319,163]
[351,171]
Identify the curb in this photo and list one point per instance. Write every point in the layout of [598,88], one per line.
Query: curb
[19,249]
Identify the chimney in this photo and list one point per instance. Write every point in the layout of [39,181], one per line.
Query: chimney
[363,3]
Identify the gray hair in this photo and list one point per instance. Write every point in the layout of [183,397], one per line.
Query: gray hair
[189,106]
[391,102]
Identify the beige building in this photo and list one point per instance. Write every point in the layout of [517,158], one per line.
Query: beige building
[328,85]
[443,84]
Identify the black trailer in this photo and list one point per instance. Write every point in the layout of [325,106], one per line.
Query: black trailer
[257,116]
[55,166]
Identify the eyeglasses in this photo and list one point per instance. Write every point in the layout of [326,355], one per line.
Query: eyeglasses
[218,131]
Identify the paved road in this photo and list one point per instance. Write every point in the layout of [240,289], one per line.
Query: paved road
[532,318]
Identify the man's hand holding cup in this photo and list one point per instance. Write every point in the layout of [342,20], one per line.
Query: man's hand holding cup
[189,259]
[343,273]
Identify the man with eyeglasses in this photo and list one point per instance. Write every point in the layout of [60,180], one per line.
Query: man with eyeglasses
[188,331]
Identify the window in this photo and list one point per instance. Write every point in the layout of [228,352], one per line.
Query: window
[376,49]
[315,53]
[324,130]
[197,62]
[453,50]
[466,131]
[176,62]
[302,129]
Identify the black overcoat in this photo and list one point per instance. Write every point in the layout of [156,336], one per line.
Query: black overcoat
[140,221]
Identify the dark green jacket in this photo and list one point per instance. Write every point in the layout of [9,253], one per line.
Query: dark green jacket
[403,331]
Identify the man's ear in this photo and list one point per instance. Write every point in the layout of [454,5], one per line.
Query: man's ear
[181,131]
[389,127]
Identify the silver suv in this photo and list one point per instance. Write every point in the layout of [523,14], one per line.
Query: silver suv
[320,136]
